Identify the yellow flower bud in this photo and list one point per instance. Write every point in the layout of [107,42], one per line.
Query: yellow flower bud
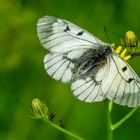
[130,40]
[39,109]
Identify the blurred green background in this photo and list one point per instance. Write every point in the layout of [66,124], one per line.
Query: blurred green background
[22,74]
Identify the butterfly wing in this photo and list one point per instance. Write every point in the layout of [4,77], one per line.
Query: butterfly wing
[88,90]
[118,82]
[66,42]
[58,35]
[60,66]
[122,84]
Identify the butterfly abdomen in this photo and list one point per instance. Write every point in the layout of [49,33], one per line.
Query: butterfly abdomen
[89,63]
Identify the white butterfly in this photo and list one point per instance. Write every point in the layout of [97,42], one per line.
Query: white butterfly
[94,69]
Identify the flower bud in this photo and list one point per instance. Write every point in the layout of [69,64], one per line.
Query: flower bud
[39,109]
[130,40]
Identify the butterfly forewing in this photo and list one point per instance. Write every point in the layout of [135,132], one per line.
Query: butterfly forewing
[131,92]
[121,85]
[58,35]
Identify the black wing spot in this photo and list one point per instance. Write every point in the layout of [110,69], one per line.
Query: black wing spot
[130,80]
[80,33]
[124,68]
[67,29]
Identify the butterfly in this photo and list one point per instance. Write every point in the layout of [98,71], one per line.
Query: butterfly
[91,66]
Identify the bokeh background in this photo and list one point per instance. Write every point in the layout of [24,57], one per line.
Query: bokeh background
[22,74]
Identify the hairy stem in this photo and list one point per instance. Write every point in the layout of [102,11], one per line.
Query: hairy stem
[45,119]
[109,106]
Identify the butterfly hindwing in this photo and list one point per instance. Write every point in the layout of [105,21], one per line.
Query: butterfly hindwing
[60,66]
[89,89]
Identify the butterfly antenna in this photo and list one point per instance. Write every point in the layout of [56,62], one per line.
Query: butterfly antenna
[105,30]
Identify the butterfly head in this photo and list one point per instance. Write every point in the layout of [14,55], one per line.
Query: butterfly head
[109,47]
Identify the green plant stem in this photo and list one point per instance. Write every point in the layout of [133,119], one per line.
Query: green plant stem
[119,123]
[111,127]
[45,119]
[108,106]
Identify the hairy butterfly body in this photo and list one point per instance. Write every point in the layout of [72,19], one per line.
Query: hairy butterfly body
[94,70]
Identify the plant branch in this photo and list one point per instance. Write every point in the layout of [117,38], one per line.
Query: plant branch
[109,105]
[45,119]
[119,123]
